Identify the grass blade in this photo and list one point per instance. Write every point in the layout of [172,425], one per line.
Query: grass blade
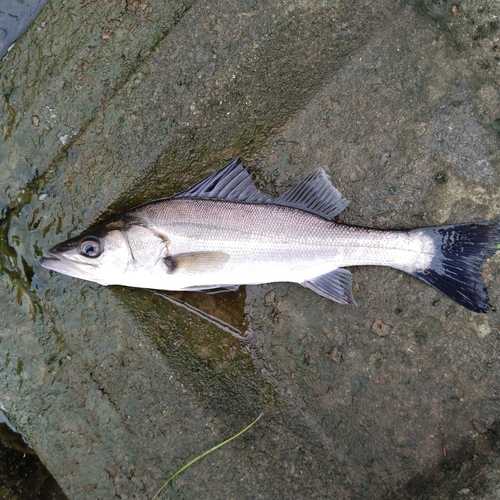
[199,457]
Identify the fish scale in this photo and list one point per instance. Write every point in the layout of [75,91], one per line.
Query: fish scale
[283,237]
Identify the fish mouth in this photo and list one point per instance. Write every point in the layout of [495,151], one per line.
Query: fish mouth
[54,263]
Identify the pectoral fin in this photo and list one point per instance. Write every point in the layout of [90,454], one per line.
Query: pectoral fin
[336,285]
[195,262]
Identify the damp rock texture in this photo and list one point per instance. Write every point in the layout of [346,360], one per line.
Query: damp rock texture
[107,105]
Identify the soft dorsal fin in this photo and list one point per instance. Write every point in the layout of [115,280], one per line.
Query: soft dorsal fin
[314,193]
[233,182]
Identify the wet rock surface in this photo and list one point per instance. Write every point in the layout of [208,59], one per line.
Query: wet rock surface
[117,388]
[22,475]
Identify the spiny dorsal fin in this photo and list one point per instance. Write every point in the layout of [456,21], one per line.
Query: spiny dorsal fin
[314,193]
[233,182]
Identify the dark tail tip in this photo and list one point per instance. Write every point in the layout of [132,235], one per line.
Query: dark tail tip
[455,269]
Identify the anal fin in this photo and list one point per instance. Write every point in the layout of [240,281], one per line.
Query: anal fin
[212,289]
[335,285]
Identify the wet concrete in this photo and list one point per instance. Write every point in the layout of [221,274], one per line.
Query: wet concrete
[117,388]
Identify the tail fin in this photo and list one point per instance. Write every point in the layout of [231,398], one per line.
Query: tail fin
[461,252]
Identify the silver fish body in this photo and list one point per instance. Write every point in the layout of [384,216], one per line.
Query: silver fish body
[223,232]
[232,243]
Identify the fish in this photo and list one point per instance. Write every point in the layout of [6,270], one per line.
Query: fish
[224,232]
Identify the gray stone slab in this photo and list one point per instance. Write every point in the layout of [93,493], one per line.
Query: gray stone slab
[118,388]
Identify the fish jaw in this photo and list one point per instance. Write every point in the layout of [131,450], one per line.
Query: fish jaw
[54,263]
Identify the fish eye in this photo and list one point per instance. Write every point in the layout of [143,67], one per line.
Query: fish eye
[90,247]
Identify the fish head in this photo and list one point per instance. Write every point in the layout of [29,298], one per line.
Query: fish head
[104,255]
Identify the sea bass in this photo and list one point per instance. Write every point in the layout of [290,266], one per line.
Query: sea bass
[224,232]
